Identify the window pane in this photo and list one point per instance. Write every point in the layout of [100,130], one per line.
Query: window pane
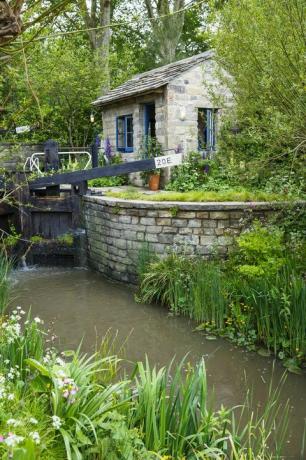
[120,132]
[129,132]
[202,129]
[207,129]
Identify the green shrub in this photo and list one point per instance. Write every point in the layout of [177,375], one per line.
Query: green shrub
[66,239]
[113,181]
[260,251]
[110,181]
[190,175]
[168,281]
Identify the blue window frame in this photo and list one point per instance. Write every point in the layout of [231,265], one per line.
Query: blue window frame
[207,127]
[124,133]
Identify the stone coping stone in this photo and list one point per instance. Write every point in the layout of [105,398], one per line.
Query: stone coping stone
[191,206]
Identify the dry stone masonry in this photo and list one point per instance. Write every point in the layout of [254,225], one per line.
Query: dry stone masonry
[118,229]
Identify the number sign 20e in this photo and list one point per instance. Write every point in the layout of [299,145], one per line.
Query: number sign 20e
[168,160]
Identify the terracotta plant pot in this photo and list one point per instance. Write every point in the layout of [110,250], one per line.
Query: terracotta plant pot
[154,182]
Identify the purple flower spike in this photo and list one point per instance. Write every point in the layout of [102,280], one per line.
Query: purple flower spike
[108,148]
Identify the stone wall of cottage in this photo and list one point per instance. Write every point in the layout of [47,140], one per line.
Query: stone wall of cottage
[135,107]
[118,229]
[185,94]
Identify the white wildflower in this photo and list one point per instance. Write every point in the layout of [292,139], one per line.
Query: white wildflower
[37,320]
[61,374]
[13,422]
[33,421]
[35,436]
[12,331]
[56,422]
[10,396]
[13,440]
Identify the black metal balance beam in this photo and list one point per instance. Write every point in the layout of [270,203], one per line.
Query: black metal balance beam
[77,177]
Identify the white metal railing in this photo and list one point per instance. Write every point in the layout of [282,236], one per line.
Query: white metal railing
[33,163]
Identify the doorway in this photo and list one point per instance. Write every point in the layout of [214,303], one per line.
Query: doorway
[149,120]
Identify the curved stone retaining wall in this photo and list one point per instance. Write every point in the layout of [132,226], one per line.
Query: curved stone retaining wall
[117,229]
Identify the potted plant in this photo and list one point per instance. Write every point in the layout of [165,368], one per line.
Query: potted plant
[154,179]
[151,148]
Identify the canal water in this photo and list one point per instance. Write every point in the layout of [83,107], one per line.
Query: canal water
[82,305]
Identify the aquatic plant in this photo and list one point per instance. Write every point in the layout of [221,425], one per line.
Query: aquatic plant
[170,409]
[19,342]
[253,309]
[168,281]
[5,268]
[70,405]
[75,406]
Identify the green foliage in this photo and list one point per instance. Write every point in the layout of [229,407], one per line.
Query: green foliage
[112,181]
[256,298]
[260,251]
[77,406]
[17,344]
[149,148]
[171,410]
[232,194]
[36,239]
[11,239]
[188,176]
[167,281]
[265,72]
[5,284]
[63,81]
[66,239]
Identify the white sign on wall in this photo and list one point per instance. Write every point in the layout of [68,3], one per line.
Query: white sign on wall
[168,160]
[23,129]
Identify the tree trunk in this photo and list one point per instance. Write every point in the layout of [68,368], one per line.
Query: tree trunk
[10,21]
[105,48]
[99,16]
[167,26]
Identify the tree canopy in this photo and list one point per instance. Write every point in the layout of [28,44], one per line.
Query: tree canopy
[261,45]
[64,54]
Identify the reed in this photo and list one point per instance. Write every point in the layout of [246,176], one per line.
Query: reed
[268,310]
[209,300]
[19,342]
[5,285]
[171,409]
[168,281]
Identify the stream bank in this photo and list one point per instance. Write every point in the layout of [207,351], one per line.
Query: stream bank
[81,304]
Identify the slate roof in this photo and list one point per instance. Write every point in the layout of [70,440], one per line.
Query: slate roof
[153,79]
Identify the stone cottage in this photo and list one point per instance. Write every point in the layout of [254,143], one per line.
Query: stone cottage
[173,104]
